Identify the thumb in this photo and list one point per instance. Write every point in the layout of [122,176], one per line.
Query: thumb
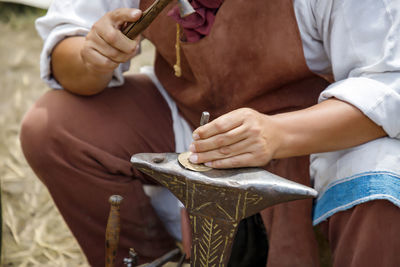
[121,15]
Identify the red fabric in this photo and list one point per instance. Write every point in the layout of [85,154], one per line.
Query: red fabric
[197,25]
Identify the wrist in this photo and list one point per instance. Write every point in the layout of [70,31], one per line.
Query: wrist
[284,141]
[80,76]
[90,68]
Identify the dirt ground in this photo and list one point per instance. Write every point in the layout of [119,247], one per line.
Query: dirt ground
[34,234]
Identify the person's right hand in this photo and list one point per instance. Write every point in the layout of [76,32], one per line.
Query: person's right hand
[105,46]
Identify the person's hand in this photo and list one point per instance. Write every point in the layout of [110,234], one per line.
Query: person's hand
[245,137]
[105,46]
[241,138]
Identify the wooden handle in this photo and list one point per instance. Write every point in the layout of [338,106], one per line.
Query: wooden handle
[133,29]
[112,230]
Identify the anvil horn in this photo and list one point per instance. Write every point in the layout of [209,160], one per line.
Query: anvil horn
[218,199]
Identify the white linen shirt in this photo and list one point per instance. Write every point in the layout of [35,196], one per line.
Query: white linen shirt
[357,42]
[71,18]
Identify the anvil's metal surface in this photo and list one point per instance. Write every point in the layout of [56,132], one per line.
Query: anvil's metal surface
[217,200]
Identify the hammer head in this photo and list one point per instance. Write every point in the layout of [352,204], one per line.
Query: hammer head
[185,8]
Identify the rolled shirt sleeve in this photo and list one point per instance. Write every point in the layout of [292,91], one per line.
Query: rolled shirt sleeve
[67,18]
[377,100]
[362,42]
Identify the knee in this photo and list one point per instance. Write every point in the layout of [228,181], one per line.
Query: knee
[39,130]
[33,133]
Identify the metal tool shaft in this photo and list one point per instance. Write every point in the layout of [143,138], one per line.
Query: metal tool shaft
[205,117]
[163,259]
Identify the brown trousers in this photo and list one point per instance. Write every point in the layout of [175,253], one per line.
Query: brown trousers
[367,235]
[80,148]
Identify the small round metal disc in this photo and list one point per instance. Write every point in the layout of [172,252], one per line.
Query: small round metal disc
[183,159]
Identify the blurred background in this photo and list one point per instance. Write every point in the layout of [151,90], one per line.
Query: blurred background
[34,234]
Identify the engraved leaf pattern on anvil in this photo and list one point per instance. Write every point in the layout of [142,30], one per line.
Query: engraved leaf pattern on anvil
[174,183]
[211,239]
[202,201]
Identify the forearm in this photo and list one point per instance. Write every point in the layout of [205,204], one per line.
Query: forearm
[70,71]
[85,65]
[328,126]
[245,137]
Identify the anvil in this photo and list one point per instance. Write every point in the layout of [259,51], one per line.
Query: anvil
[218,199]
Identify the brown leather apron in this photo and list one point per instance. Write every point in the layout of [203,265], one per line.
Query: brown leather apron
[253,58]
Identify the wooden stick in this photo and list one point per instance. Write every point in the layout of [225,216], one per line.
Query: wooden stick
[133,29]
[112,230]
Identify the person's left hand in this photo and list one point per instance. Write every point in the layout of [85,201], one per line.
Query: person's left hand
[241,138]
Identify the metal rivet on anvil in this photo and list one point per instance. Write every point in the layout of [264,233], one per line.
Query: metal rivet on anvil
[183,158]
